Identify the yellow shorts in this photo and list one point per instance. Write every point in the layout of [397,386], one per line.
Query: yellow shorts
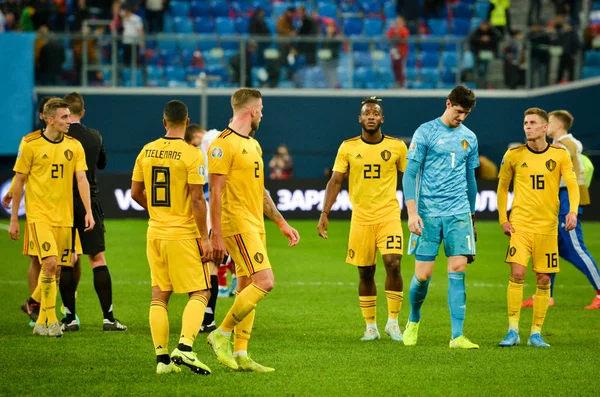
[365,240]
[176,265]
[27,250]
[249,252]
[541,248]
[44,240]
[77,242]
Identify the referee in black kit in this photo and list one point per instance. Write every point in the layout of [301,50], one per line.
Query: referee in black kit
[92,242]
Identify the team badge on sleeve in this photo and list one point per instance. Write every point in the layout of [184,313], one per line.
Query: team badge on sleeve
[201,171]
[386,155]
[259,257]
[464,144]
[551,165]
[413,146]
[68,154]
[216,153]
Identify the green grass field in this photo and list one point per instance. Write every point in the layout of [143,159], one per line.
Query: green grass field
[308,328]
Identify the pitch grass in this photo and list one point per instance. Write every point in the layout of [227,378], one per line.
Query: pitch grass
[308,328]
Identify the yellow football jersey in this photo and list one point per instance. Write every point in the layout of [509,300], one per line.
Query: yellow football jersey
[536,181]
[373,177]
[240,158]
[167,166]
[50,167]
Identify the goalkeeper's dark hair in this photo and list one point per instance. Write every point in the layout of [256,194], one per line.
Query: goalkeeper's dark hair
[462,96]
[372,99]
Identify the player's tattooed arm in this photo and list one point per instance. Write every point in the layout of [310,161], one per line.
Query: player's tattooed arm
[271,210]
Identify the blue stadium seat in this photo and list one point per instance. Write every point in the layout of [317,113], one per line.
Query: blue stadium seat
[460,27]
[482,9]
[68,63]
[279,9]
[418,85]
[430,46]
[183,25]
[241,7]
[343,76]
[326,9]
[362,59]
[166,44]
[438,27]
[192,72]
[449,75]
[364,75]
[271,24]
[449,59]
[387,78]
[411,59]
[212,59]
[430,60]
[462,10]
[475,22]
[242,25]
[185,43]
[152,57]
[353,26]
[384,63]
[225,26]
[373,27]
[204,25]
[227,54]
[430,75]
[592,58]
[154,76]
[167,23]
[349,7]
[389,10]
[412,74]
[180,8]
[170,57]
[207,44]
[590,71]
[370,6]
[127,77]
[175,73]
[187,56]
[200,8]
[264,4]
[219,9]
[315,78]
[218,71]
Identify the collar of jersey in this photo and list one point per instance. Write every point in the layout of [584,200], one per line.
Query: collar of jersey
[534,152]
[237,133]
[373,143]
[54,142]
[172,138]
[444,126]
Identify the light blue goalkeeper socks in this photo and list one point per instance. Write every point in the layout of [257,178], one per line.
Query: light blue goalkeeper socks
[418,292]
[457,301]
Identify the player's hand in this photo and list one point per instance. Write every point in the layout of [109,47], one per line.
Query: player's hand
[13,230]
[323,225]
[6,200]
[89,222]
[571,221]
[470,259]
[507,228]
[207,249]
[415,224]
[474,230]
[218,246]
[292,234]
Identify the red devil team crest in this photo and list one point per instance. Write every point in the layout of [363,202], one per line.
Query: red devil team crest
[386,155]
[69,154]
[551,165]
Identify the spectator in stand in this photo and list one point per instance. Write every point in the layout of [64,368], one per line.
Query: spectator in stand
[499,16]
[43,15]
[535,12]
[102,9]
[26,19]
[60,16]
[92,55]
[281,165]
[411,10]
[539,41]
[308,29]
[133,34]
[10,23]
[433,8]
[81,14]
[398,33]
[285,28]
[484,44]
[52,56]
[11,7]
[570,44]
[572,8]
[235,64]
[154,15]
[258,27]
[330,62]
[514,60]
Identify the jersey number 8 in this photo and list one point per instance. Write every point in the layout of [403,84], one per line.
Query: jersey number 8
[161,187]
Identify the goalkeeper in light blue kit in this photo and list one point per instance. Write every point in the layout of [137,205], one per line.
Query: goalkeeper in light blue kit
[440,191]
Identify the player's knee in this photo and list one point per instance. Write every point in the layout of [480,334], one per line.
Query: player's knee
[49,266]
[518,273]
[205,293]
[35,263]
[392,265]
[543,278]
[97,260]
[267,284]
[366,273]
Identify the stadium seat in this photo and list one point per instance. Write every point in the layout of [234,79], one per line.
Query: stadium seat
[183,25]
[362,59]
[411,60]
[449,75]
[152,57]
[207,44]
[430,60]
[590,71]
[353,26]
[349,7]
[482,9]
[127,77]
[326,9]
[218,71]
[279,9]
[264,4]
[187,56]
[175,73]
[387,78]
[242,25]
[462,10]
[219,9]
[460,27]
[200,9]
[438,27]
[315,78]
[363,75]
[180,8]
[225,26]
[241,7]
[370,6]
[475,22]
[418,85]
[449,59]
[412,74]
[271,24]
[383,63]
[430,46]
[373,27]
[165,43]
[592,58]
[389,10]
[204,25]
[192,72]
[154,72]
[186,43]
[430,75]
[170,57]
[167,23]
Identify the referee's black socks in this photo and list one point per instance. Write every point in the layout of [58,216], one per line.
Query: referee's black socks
[67,287]
[103,287]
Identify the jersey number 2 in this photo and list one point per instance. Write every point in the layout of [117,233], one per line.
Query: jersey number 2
[161,187]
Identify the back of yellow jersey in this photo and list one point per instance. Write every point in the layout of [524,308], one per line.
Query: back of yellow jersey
[373,177]
[536,181]
[167,167]
[50,167]
[240,158]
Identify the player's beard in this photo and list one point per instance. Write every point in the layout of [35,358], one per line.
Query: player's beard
[254,127]
[371,131]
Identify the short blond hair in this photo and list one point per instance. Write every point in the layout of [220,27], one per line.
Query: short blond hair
[53,104]
[565,118]
[243,96]
[539,112]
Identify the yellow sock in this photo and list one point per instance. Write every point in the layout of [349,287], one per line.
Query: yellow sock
[394,303]
[36,295]
[514,297]
[368,307]
[244,303]
[242,332]
[48,303]
[193,314]
[159,326]
[540,306]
